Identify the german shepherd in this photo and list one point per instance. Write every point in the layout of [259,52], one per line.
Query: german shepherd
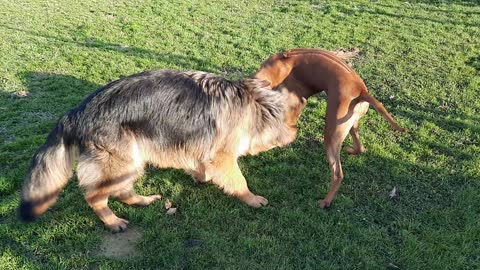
[194,121]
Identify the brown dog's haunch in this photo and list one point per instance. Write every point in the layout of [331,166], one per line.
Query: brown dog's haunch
[301,73]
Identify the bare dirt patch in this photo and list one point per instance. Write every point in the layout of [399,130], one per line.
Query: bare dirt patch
[347,55]
[121,245]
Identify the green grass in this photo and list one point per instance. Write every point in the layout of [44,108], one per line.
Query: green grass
[420,58]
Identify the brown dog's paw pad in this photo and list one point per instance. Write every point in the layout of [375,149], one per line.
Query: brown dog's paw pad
[353,151]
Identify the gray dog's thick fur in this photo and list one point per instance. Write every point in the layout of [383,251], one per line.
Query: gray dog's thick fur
[195,121]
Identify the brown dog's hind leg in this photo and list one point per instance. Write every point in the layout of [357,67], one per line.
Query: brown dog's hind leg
[333,156]
[358,147]
[227,175]
[335,134]
[359,110]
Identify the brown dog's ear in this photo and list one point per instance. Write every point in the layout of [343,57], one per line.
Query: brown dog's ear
[286,54]
[304,102]
[301,105]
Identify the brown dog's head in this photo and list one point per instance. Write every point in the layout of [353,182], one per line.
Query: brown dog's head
[294,105]
[275,122]
[275,69]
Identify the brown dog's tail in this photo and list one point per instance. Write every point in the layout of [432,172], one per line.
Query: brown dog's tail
[51,167]
[381,109]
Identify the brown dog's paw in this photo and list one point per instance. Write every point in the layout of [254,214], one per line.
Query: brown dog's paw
[117,225]
[324,204]
[353,151]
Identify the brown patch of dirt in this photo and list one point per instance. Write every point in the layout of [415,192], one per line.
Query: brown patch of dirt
[121,245]
[347,55]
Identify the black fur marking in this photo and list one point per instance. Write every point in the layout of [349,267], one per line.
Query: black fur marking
[169,107]
[25,212]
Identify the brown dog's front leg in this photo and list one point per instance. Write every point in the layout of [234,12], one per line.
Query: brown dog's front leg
[227,175]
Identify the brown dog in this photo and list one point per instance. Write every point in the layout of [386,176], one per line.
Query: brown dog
[305,72]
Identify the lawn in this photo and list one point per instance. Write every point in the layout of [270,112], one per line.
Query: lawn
[420,58]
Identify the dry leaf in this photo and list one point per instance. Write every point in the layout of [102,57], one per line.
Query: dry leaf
[21,94]
[394,193]
[171,211]
[168,204]
[392,266]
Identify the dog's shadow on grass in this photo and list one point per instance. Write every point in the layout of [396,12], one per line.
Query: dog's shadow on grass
[34,114]
[474,62]
[379,12]
[289,177]
[468,3]
[445,118]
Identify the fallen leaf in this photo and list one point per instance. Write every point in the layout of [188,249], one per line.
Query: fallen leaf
[193,243]
[171,211]
[21,94]
[168,204]
[392,266]
[394,193]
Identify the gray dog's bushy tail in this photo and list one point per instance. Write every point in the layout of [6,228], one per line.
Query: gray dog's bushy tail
[51,167]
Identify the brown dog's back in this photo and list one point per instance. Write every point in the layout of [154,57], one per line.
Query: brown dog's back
[316,70]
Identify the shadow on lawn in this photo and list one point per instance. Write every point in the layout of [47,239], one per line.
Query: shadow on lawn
[433,9]
[446,119]
[187,62]
[474,62]
[52,94]
[367,181]
[470,3]
[377,11]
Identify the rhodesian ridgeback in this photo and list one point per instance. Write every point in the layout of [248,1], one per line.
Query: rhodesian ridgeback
[305,72]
